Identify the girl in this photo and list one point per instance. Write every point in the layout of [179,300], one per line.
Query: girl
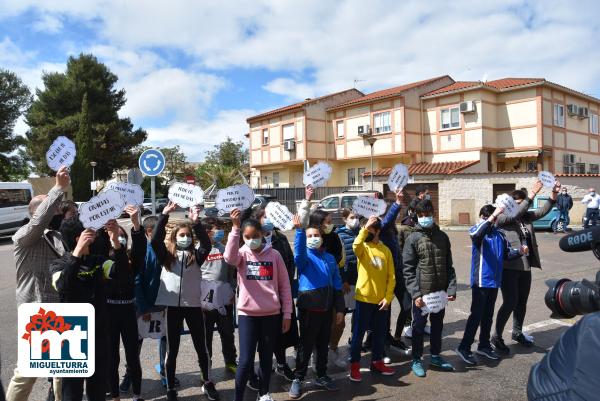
[264,291]
[179,291]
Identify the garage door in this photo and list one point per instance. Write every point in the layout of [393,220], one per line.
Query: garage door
[410,189]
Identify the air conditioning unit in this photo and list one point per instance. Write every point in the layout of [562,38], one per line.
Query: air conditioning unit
[583,112]
[364,130]
[568,159]
[289,145]
[467,107]
[572,109]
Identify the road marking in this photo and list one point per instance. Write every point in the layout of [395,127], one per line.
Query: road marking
[545,323]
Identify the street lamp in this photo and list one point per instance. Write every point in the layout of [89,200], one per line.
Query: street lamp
[371,139]
[94,164]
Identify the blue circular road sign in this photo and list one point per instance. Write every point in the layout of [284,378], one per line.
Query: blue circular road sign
[152,162]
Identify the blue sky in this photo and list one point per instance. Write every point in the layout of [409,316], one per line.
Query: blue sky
[195,70]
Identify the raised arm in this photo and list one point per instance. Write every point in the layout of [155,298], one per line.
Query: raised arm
[538,213]
[232,249]
[304,206]
[392,214]
[158,237]
[358,246]
[300,252]
[205,245]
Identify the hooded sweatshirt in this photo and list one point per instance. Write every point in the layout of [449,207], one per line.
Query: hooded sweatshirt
[264,286]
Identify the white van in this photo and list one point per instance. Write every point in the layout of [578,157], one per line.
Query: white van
[14,202]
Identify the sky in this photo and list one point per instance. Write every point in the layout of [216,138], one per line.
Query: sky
[195,70]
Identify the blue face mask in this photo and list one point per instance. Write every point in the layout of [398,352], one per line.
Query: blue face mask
[267,226]
[426,221]
[218,236]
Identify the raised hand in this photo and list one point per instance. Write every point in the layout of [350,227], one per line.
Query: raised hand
[85,240]
[62,178]
[134,214]
[235,217]
[399,195]
[195,213]
[112,229]
[309,191]
[372,220]
[171,206]
[537,187]
[296,221]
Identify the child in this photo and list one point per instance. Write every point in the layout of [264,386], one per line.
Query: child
[264,294]
[180,284]
[218,284]
[374,294]
[428,268]
[319,298]
[490,249]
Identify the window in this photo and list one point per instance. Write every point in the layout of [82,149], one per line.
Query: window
[559,115]
[330,203]
[14,197]
[594,123]
[594,169]
[351,176]
[339,126]
[450,118]
[288,132]
[276,179]
[382,122]
[265,137]
[579,168]
[500,166]
[361,171]
[347,201]
[531,166]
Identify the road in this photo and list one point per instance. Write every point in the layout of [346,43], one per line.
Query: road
[502,380]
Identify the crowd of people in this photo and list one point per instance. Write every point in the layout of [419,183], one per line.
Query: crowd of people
[278,297]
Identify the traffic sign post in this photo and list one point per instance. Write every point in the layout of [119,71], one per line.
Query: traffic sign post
[152,163]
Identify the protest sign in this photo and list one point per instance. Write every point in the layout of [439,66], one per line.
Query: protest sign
[434,302]
[508,203]
[106,206]
[61,153]
[132,194]
[547,178]
[235,197]
[317,175]
[186,195]
[280,215]
[398,177]
[368,206]
[153,327]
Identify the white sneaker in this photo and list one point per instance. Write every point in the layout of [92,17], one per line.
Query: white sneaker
[528,336]
[387,360]
[266,397]
[407,331]
[338,358]
[427,330]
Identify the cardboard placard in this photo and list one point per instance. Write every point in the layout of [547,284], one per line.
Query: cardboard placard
[547,178]
[508,203]
[368,206]
[61,153]
[317,175]
[132,194]
[398,177]
[106,206]
[186,195]
[434,302]
[280,215]
[235,197]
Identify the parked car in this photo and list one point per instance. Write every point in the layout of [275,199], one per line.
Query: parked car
[336,203]
[551,221]
[14,202]
[262,200]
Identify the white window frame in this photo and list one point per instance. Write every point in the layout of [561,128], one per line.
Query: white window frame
[558,120]
[593,168]
[359,175]
[451,124]
[265,131]
[384,129]
[287,127]
[594,123]
[353,170]
[275,181]
[339,124]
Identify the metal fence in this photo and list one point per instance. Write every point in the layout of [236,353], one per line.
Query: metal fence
[289,196]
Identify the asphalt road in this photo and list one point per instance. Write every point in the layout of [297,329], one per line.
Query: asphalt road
[502,380]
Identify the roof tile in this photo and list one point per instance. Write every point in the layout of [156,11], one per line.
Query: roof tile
[424,168]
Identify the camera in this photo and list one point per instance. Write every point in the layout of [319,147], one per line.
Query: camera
[566,298]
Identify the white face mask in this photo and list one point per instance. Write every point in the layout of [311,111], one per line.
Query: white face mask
[268,238]
[328,228]
[253,243]
[352,224]
[314,242]
[123,241]
[184,242]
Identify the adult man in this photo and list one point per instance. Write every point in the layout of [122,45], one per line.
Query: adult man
[564,203]
[592,200]
[37,244]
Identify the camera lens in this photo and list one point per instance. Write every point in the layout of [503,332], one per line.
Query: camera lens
[568,298]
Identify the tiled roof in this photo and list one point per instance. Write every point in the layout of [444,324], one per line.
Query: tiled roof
[424,168]
[506,83]
[397,90]
[498,84]
[296,106]
[455,86]
[576,175]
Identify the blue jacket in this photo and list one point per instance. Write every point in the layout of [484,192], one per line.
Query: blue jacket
[389,234]
[347,237]
[147,279]
[490,249]
[319,281]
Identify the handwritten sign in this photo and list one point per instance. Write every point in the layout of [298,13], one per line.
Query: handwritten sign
[368,206]
[547,178]
[398,177]
[434,302]
[317,175]
[61,153]
[280,215]
[236,197]
[106,206]
[508,203]
[186,195]
[132,194]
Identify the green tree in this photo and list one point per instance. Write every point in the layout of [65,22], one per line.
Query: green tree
[226,164]
[15,98]
[83,105]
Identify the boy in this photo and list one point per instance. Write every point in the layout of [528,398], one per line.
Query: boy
[489,250]
[428,269]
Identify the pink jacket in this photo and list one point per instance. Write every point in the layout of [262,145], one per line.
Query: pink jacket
[262,279]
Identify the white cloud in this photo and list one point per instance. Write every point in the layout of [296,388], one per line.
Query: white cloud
[290,88]
[48,24]
[11,54]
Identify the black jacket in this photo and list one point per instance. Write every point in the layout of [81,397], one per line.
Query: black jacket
[564,202]
[122,286]
[280,243]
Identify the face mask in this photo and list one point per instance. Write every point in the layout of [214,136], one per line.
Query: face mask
[370,237]
[123,241]
[268,238]
[328,228]
[253,243]
[184,242]
[352,224]
[314,242]
[426,221]
[218,236]
[593,193]
[427,197]
[267,226]
[55,222]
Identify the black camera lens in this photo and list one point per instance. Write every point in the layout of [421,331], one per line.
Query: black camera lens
[568,298]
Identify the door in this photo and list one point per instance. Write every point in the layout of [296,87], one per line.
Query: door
[499,189]
[409,194]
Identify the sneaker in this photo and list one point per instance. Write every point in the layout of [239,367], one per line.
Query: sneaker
[172,395]
[467,356]
[441,363]
[355,375]
[418,368]
[427,330]
[327,383]
[125,385]
[407,332]
[499,346]
[488,352]
[231,367]
[526,341]
[211,392]
[253,382]
[266,397]
[338,358]
[387,360]
[285,371]
[296,389]
[399,345]
[381,368]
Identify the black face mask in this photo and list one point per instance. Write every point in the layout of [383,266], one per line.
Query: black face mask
[370,237]
[55,222]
